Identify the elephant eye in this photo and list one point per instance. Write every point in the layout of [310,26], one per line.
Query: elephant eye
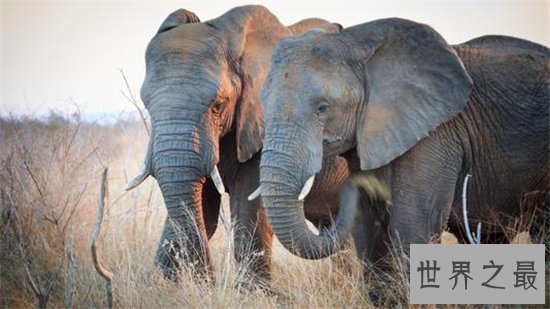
[322,107]
[218,105]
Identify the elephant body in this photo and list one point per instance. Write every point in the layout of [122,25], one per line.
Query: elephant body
[201,90]
[403,106]
[504,128]
[500,138]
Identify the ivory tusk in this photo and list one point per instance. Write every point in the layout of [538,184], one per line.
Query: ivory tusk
[217,179]
[140,177]
[145,171]
[307,187]
[254,195]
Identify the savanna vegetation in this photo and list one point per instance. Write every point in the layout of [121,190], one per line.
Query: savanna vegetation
[50,176]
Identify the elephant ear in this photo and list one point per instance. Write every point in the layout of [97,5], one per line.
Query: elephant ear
[177,18]
[414,82]
[251,33]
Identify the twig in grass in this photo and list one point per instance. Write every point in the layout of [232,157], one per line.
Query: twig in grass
[104,272]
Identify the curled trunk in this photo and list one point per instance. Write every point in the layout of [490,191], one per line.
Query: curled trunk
[280,189]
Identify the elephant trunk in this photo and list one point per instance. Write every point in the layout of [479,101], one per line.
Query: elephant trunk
[280,190]
[181,173]
[183,240]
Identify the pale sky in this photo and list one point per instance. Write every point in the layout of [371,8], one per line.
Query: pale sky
[54,54]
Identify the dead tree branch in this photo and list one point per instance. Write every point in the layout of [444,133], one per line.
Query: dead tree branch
[131,97]
[104,272]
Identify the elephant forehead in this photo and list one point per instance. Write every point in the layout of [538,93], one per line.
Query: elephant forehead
[314,82]
[191,40]
[313,49]
[309,62]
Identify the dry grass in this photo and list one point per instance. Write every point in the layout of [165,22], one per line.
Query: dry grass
[49,187]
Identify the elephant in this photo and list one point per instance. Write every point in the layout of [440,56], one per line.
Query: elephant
[417,114]
[201,91]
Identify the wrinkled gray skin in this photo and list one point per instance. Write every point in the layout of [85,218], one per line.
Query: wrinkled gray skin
[202,92]
[401,104]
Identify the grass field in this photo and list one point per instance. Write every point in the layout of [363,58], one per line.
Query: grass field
[50,173]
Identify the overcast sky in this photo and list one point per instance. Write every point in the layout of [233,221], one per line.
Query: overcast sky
[54,54]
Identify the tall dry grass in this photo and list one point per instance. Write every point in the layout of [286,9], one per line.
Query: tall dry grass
[50,173]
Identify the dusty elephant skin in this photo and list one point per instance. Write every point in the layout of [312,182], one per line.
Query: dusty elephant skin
[202,91]
[401,104]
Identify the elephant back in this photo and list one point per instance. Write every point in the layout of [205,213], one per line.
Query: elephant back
[508,44]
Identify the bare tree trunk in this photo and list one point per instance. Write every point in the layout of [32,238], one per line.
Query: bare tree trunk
[104,272]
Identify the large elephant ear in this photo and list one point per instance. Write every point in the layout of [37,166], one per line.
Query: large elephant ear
[251,33]
[177,18]
[414,82]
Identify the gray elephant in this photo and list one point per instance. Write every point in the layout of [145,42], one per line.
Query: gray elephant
[202,92]
[416,113]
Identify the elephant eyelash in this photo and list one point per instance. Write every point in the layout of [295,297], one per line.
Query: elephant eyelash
[219,104]
[322,107]
[217,108]
[222,100]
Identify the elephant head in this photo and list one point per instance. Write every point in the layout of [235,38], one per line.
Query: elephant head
[202,84]
[375,89]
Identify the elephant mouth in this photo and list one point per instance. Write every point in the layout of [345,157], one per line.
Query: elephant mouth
[334,146]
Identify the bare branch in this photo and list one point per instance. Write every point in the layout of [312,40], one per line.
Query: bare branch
[34,287]
[19,237]
[75,206]
[132,99]
[105,273]
[50,216]
[34,282]
[73,136]
[53,278]
[33,178]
